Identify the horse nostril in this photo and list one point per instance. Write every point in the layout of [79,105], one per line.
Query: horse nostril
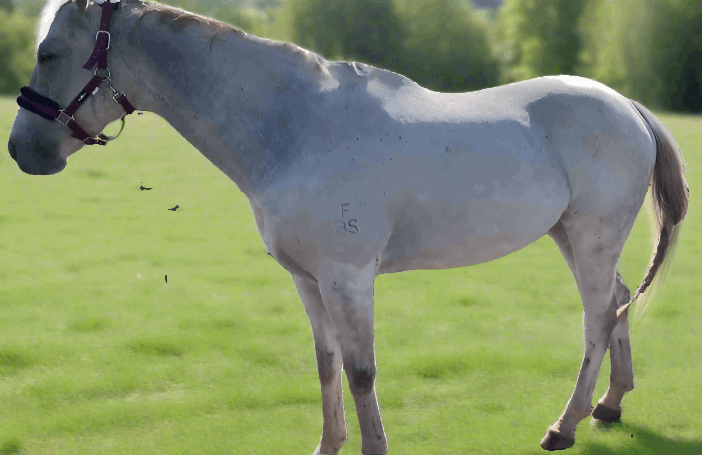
[13,150]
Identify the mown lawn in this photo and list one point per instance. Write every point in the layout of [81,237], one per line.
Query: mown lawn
[98,355]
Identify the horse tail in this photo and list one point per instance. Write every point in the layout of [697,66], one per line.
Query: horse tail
[670,194]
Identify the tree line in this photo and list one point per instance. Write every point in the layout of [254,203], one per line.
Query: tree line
[649,50]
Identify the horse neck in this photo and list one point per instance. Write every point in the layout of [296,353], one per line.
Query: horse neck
[217,88]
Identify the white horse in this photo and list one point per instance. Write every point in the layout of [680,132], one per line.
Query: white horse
[353,171]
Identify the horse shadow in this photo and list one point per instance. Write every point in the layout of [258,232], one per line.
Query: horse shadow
[636,440]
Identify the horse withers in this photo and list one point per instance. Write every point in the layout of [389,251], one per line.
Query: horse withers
[353,171]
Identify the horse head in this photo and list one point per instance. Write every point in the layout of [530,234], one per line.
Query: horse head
[66,39]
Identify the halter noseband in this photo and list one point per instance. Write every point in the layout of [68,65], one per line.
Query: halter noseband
[49,109]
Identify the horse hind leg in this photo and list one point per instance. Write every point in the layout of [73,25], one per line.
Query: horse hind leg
[621,379]
[592,250]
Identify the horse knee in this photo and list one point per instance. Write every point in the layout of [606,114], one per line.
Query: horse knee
[361,378]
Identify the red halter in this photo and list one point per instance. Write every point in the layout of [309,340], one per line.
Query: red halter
[49,109]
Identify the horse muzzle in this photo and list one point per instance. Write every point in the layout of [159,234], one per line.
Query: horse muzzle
[38,162]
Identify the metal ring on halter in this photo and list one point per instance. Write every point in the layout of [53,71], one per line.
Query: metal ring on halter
[109,138]
[104,78]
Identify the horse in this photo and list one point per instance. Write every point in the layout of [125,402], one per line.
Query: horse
[353,171]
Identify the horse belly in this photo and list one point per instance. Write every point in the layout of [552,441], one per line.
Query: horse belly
[492,209]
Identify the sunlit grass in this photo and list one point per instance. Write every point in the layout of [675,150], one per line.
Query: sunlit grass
[98,355]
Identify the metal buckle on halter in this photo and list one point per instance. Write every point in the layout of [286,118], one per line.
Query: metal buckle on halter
[108,37]
[65,119]
[115,94]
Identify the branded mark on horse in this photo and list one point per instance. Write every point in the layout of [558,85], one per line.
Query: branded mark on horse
[353,171]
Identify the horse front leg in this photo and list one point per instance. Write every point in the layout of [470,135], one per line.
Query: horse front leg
[329,362]
[621,379]
[348,297]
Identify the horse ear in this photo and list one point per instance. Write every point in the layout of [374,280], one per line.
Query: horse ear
[82,4]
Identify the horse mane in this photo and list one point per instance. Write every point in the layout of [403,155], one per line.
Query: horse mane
[177,20]
[180,19]
[47,16]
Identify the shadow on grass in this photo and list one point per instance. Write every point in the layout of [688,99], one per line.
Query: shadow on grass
[626,439]
[637,440]
[10,447]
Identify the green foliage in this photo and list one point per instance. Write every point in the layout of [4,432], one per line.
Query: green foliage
[616,47]
[274,24]
[7,6]
[676,53]
[365,30]
[31,8]
[536,38]
[16,51]
[439,44]
[447,46]
[649,50]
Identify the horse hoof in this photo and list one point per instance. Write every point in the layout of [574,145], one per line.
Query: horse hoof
[554,440]
[605,413]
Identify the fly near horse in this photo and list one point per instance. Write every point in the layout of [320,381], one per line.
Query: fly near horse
[353,171]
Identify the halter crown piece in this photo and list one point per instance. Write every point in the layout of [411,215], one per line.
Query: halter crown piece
[49,109]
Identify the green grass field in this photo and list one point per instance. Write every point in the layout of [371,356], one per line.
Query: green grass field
[98,355]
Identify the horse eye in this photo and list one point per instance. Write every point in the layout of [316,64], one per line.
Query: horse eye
[46,57]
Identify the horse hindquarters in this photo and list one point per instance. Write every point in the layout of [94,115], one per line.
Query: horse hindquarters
[609,178]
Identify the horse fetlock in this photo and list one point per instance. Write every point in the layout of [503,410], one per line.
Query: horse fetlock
[379,447]
[568,422]
[613,397]
[330,445]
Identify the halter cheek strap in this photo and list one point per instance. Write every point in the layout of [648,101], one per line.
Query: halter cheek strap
[49,109]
